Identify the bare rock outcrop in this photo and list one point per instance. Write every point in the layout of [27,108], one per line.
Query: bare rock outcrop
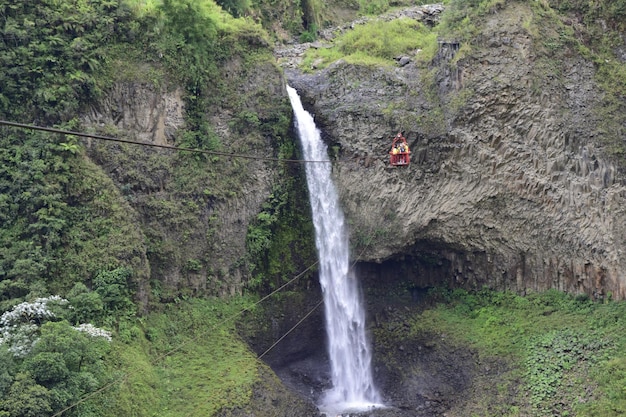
[509,186]
[153,113]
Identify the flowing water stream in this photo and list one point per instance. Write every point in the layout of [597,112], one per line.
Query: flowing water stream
[348,347]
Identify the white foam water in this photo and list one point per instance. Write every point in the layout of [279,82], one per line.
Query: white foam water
[353,388]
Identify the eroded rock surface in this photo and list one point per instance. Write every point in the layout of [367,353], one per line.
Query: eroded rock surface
[509,184]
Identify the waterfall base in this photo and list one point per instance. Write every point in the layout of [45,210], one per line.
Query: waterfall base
[420,375]
[347,408]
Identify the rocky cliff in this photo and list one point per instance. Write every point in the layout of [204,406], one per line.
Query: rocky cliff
[510,186]
[195,209]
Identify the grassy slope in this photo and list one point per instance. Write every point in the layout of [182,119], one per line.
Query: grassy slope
[556,355]
[186,360]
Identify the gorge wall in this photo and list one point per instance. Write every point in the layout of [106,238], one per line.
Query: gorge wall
[195,210]
[510,186]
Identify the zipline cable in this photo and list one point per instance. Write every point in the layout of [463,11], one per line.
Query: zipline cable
[181,345]
[227,320]
[319,303]
[154,145]
[234,316]
[315,307]
[123,378]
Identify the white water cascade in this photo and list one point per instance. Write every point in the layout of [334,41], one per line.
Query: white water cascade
[348,347]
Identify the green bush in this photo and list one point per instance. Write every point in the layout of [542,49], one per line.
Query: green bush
[373,7]
[115,290]
[87,306]
[53,56]
[237,8]
[309,35]
[63,365]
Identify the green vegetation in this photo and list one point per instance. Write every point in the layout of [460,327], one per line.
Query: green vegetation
[54,55]
[565,354]
[281,238]
[46,363]
[182,361]
[237,8]
[102,236]
[187,361]
[373,7]
[62,221]
[462,19]
[377,43]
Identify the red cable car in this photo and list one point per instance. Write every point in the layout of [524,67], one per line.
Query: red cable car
[400,155]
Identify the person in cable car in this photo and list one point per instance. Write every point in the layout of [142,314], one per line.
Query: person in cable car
[399,151]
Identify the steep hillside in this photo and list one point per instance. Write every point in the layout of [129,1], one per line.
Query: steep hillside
[101,241]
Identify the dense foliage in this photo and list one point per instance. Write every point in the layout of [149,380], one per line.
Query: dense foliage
[48,364]
[52,54]
[66,228]
[57,228]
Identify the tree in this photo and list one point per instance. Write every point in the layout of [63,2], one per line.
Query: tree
[87,306]
[114,289]
[76,348]
[26,398]
[53,361]
[68,361]
[7,370]
[47,368]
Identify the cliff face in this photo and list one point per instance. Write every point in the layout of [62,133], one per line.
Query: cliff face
[509,186]
[194,209]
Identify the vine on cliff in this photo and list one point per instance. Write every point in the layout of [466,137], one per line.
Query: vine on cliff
[280,241]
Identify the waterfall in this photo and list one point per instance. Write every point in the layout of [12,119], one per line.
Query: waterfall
[348,346]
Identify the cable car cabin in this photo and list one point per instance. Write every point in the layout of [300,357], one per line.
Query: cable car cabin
[399,155]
